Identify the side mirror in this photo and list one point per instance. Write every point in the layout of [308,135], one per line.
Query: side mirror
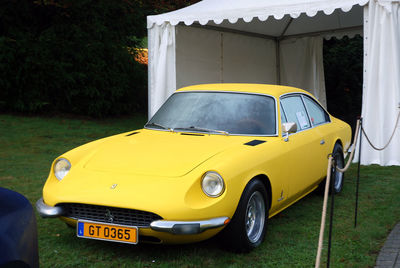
[287,128]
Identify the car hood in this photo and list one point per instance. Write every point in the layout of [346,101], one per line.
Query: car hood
[157,153]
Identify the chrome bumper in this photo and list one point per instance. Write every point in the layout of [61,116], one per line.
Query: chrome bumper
[173,227]
[188,227]
[48,211]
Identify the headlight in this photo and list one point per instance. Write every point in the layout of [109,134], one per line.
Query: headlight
[212,184]
[61,168]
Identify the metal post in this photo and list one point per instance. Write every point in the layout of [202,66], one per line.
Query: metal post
[332,192]
[222,58]
[358,175]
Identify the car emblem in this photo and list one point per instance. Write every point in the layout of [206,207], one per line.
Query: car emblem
[113,186]
[109,216]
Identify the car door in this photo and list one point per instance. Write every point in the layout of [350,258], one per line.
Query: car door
[320,121]
[305,148]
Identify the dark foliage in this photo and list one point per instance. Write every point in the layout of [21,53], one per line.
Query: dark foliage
[161,6]
[343,64]
[71,56]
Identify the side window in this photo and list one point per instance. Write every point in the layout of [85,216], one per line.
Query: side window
[317,114]
[296,112]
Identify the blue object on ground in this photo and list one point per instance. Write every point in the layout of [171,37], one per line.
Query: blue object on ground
[18,233]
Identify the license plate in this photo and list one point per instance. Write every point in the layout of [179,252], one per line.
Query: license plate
[109,232]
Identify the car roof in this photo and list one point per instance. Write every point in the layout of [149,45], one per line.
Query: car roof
[273,90]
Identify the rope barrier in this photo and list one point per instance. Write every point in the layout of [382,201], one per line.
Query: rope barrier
[323,218]
[327,183]
[391,137]
[344,169]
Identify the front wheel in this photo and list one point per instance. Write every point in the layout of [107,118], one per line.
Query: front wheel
[248,225]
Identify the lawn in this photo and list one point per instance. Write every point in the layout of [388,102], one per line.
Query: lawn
[28,145]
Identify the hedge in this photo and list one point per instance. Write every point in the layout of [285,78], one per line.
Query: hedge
[71,57]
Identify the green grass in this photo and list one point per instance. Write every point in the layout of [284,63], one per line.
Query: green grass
[28,145]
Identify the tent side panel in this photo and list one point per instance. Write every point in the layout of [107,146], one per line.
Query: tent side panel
[161,71]
[381,96]
[209,56]
[198,56]
[248,59]
[302,65]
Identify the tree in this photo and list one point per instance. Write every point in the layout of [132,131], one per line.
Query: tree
[160,6]
[71,56]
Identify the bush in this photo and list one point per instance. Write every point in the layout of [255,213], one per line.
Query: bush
[71,56]
[343,64]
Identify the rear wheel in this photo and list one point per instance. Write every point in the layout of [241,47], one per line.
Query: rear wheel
[337,176]
[248,225]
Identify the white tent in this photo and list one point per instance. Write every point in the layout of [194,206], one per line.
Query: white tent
[280,42]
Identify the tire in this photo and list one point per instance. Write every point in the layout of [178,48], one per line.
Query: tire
[336,176]
[247,228]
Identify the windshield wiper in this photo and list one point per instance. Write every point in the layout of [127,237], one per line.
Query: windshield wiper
[200,129]
[152,124]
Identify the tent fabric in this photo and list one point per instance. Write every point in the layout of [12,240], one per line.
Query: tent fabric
[199,56]
[205,56]
[167,75]
[161,68]
[232,10]
[381,96]
[210,56]
[215,48]
[307,71]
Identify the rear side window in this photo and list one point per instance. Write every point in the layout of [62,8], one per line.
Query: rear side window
[296,112]
[316,112]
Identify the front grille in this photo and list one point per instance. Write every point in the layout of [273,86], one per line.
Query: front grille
[123,216]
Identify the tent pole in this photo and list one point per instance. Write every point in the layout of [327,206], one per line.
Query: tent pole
[270,37]
[358,175]
[228,30]
[286,27]
[278,52]
[149,74]
[332,32]
[222,58]
[278,61]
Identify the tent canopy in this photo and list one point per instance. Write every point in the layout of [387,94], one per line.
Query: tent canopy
[280,42]
[269,18]
[230,31]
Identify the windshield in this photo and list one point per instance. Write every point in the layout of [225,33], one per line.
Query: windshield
[218,112]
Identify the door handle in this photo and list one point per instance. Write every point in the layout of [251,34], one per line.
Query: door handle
[322,142]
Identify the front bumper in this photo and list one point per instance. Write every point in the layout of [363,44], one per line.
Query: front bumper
[47,211]
[188,227]
[172,227]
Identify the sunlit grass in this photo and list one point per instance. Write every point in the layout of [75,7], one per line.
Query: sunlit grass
[28,145]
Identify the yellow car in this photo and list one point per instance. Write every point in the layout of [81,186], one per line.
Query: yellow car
[215,157]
